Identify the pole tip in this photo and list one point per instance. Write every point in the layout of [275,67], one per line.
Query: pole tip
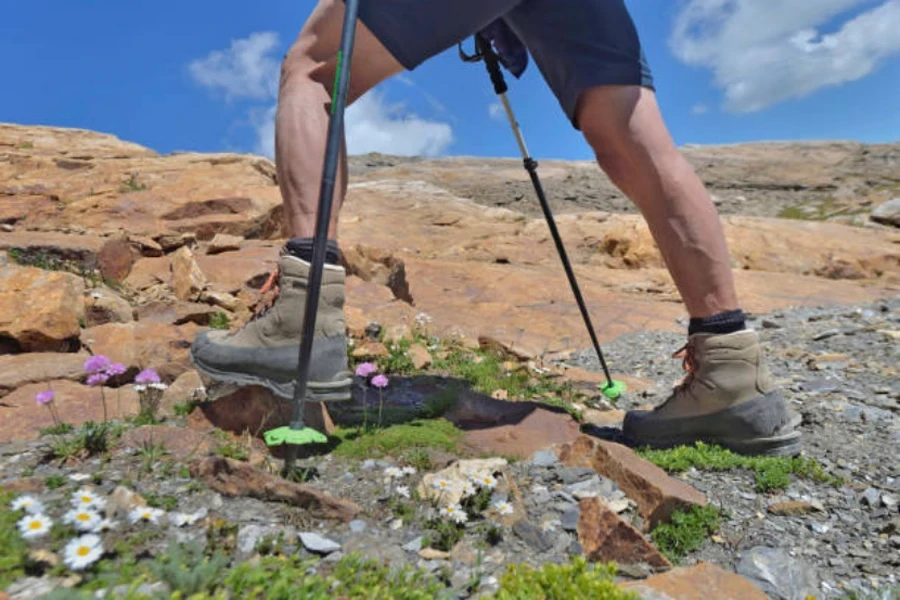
[613,389]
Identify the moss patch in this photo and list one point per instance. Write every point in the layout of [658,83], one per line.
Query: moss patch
[13,549]
[559,582]
[397,440]
[686,531]
[772,472]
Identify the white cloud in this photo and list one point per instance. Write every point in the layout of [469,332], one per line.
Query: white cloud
[374,126]
[762,52]
[245,70]
[497,112]
[699,109]
[249,69]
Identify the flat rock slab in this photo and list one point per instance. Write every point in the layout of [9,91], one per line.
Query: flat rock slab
[182,443]
[21,418]
[604,536]
[656,493]
[234,478]
[703,581]
[17,370]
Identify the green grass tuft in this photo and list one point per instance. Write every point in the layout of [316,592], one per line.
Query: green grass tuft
[772,472]
[13,549]
[218,320]
[686,531]
[562,582]
[398,439]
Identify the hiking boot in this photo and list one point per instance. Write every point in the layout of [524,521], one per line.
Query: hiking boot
[727,398]
[266,350]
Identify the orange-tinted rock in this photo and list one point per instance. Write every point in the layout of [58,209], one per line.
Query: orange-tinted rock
[188,280]
[500,428]
[23,485]
[605,537]
[222,242]
[144,344]
[17,370]
[186,388]
[35,247]
[180,442]
[21,418]
[792,508]
[656,493]
[102,305]
[40,309]
[419,356]
[703,581]
[116,258]
[256,409]
[233,478]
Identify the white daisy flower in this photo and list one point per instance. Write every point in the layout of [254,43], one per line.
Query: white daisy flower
[84,519]
[403,490]
[82,551]
[443,485]
[455,513]
[157,386]
[105,525]
[182,519]
[452,511]
[146,514]
[29,504]
[85,498]
[34,526]
[485,480]
[140,387]
[79,476]
[409,471]
[392,472]
[504,508]
[468,490]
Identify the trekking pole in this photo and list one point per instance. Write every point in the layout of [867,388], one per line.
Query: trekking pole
[611,389]
[298,433]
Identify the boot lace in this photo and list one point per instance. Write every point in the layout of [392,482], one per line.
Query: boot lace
[689,364]
[268,294]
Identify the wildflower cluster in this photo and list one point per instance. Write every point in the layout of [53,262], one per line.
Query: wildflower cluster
[370,375]
[475,494]
[99,370]
[396,473]
[85,513]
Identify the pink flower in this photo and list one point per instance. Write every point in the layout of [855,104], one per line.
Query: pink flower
[147,376]
[365,369]
[380,381]
[97,379]
[116,369]
[96,363]
[44,397]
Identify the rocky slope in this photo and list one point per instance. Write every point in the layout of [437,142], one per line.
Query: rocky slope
[110,248]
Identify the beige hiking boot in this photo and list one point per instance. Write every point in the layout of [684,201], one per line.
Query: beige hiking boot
[727,398]
[266,350]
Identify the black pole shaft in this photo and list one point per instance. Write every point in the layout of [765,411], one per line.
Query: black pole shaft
[492,62]
[323,218]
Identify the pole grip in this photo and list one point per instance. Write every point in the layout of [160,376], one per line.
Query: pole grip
[492,62]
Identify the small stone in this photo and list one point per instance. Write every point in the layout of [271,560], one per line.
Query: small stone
[569,519]
[540,495]
[223,242]
[590,488]
[770,324]
[357,526]
[433,554]
[544,458]
[889,500]
[317,543]
[532,536]
[871,497]
[895,541]
[778,573]
[791,509]
[569,475]
[413,545]
[819,527]
[618,506]
[824,335]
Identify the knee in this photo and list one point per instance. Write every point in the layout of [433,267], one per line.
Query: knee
[300,65]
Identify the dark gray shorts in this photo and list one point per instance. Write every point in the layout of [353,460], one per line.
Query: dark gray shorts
[576,44]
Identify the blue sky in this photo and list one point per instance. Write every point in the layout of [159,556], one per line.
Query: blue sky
[726,72]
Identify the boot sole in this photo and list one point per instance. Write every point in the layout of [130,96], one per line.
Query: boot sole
[766,416]
[316,391]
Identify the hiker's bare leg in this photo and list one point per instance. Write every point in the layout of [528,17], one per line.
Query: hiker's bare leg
[304,100]
[624,127]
